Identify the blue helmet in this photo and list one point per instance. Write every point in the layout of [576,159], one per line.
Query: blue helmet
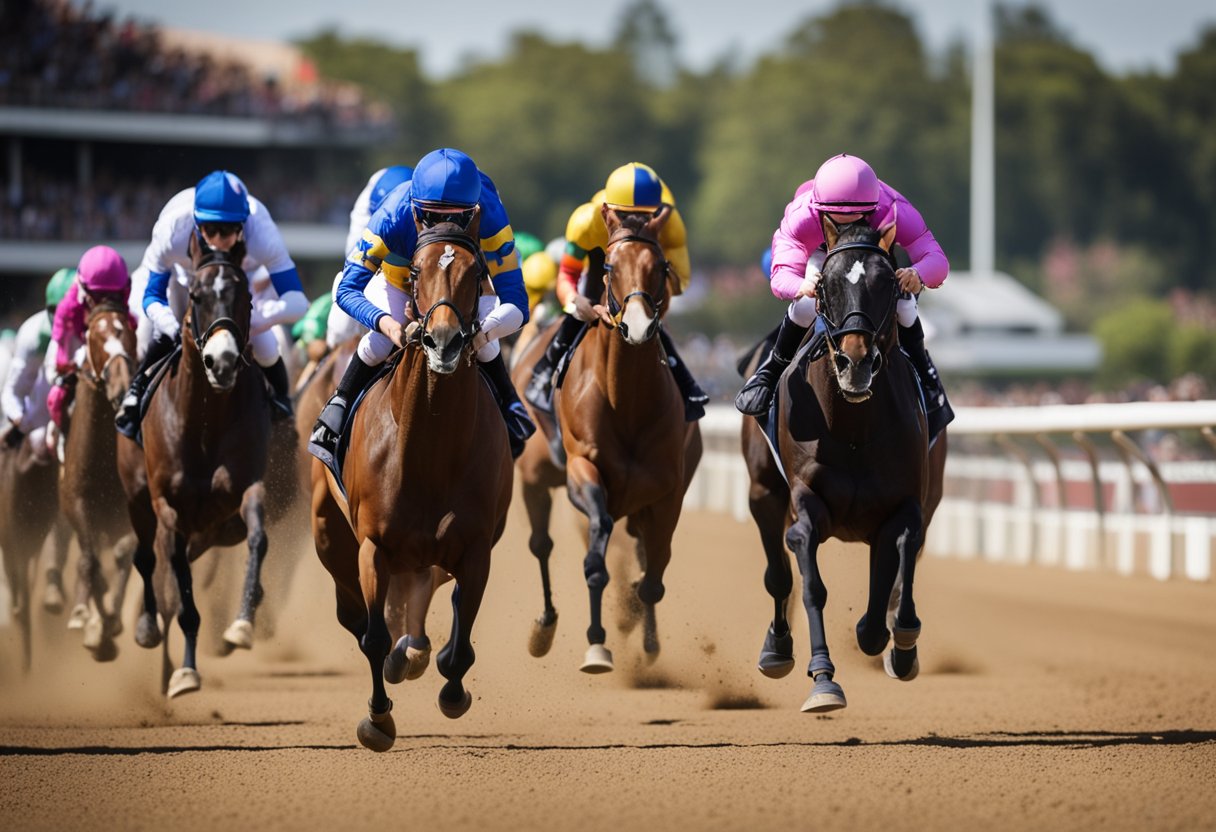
[391,178]
[446,177]
[766,262]
[221,196]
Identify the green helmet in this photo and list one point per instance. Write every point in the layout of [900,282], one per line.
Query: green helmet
[58,287]
[527,245]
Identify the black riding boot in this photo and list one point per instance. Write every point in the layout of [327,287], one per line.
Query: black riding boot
[757,393]
[519,424]
[280,396]
[323,443]
[540,389]
[127,420]
[695,398]
[937,409]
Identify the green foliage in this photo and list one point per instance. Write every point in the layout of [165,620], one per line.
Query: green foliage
[1192,349]
[1136,343]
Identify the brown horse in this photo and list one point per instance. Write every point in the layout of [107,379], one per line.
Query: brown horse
[855,446]
[28,507]
[90,494]
[428,475]
[206,435]
[629,452]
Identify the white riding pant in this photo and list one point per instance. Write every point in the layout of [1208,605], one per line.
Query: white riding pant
[375,346]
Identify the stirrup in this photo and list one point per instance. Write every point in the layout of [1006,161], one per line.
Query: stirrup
[539,391]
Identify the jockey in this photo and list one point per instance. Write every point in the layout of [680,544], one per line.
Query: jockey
[101,276]
[845,189]
[446,187]
[339,326]
[631,188]
[220,211]
[540,279]
[29,375]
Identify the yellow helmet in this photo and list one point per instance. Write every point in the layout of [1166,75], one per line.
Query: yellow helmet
[540,272]
[633,187]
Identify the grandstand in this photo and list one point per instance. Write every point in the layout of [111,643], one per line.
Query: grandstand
[103,120]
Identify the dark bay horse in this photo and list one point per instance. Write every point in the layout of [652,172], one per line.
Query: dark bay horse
[90,494]
[855,446]
[629,452]
[206,435]
[28,508]
[428,474]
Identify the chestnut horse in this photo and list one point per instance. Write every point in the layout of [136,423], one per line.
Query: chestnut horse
[206,435]
[854,444]
[428,476]
[629,452]
[90,494]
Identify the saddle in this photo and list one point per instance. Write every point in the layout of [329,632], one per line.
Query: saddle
[812,349]
[159,370]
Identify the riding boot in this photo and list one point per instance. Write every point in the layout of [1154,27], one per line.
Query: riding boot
[757,393]
[323,443]
[519,424]
[695,398]
[539,392]
[280,396]
[937,410]
[127,420]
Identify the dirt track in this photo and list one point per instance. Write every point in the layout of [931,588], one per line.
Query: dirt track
[1047,699]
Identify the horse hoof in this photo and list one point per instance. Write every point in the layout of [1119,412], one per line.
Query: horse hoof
[871,642]
[107,651]
[598,659]
[455,710]
[405,661]
[777,655]
[78,618]
[184,680]
[541,639]
[650,644]
[147,633]
[825,696]
[239,635]
[52,599]
[377,735]
[94,632]
[394,663]
[114,626]
[417,660]
[901,664]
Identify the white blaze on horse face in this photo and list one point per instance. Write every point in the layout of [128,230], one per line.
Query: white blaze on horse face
[637,320]
[221,349]
[118,326]
[445,259]
[856,273]
[218,285]
[113,346]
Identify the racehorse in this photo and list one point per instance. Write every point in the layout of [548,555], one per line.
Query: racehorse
[28,506]
[206,434]
[427,477]
[90,494]
[854,445]
[629,452]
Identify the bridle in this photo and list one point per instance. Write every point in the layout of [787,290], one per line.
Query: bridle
[864,323]
[469,324]
[219,260]
[90,373]
[617,309]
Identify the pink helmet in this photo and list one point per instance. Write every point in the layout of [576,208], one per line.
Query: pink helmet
[845,184]
[102,270]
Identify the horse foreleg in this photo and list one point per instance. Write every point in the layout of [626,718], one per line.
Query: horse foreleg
[892,567]
[457,656]
[539,502]
[61,538]
[409,600]
[240,632]
[377,731]
[769,511]
[803,538]
[587,494]
[655,528]
[124,551]
[171,545]
[16,575]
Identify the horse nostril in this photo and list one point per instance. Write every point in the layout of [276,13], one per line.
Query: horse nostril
[209,362]
[842,362]
[877,362]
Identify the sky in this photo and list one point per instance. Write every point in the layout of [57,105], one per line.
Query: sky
[1123,36]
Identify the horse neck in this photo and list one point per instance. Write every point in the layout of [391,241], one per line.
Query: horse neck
[93,417]
[193,388]
[420,397]
[852,422]
[633,374]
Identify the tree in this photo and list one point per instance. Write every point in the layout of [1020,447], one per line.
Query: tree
[1135,343]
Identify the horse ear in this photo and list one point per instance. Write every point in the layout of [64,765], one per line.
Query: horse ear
[611,220]
[474,227]
[192,246]
[831,232]
[886,236]
[655,224]
[236,254]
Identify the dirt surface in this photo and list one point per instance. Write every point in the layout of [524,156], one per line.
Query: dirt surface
[1047,699]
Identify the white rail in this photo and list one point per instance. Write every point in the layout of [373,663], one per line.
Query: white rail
[1015,498]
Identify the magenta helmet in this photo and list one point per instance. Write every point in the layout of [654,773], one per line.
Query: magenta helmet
[102,270]
[845,185]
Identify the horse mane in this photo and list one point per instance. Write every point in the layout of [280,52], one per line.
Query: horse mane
[860,231]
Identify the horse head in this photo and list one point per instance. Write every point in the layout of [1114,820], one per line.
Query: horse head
[857,295]
[636,274]
[219,310]
[445,280]
[110,342]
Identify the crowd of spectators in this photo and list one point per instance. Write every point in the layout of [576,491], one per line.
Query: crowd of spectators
[54,53]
